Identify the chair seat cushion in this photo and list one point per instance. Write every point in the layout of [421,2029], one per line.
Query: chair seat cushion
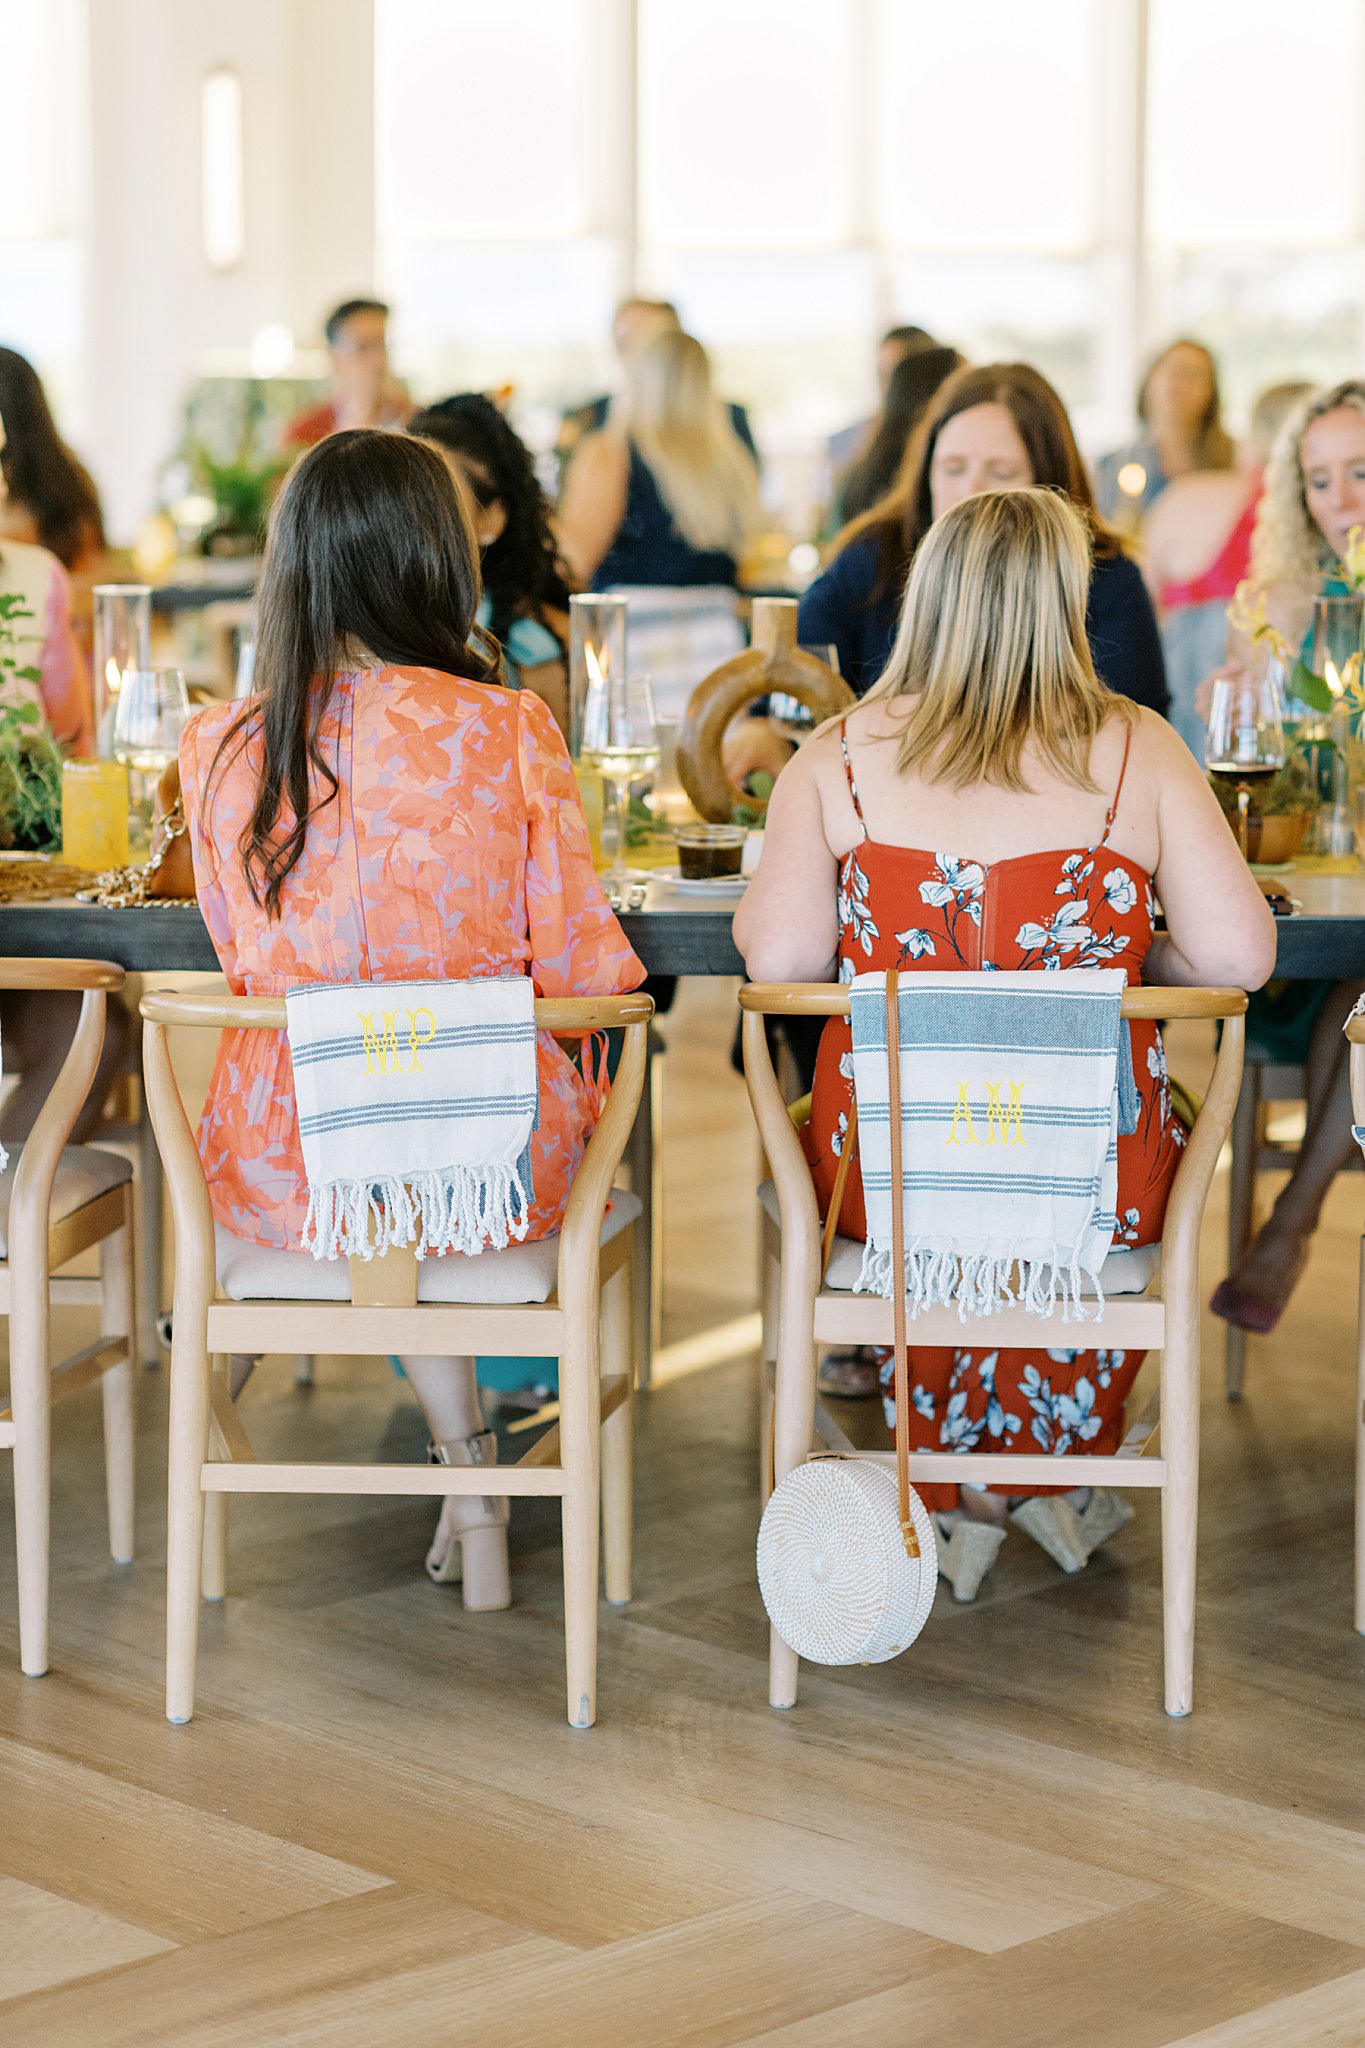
[522,1273]
[84,1173]
[1129,1271]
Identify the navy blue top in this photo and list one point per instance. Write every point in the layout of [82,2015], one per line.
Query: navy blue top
[648,547]
[1120,624]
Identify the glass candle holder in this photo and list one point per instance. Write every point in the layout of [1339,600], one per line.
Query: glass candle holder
[123,641]
[597,653]
[94,815]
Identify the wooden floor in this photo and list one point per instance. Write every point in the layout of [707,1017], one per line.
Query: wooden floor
[380,1829]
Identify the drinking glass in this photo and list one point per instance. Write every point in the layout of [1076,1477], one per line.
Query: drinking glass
[597,649]
[621,741]
[122,626]
[1244,747]
[148,721]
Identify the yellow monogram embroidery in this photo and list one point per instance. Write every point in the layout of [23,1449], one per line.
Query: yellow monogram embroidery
[999,1120]
[962,1114]
[380,1045]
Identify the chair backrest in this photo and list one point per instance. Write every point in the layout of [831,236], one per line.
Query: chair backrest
[1355,1033]
[1185,1208]
[93,980]
[567,1017]
[677,636]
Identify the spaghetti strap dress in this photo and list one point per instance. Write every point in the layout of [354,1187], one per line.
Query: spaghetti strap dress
[914,910]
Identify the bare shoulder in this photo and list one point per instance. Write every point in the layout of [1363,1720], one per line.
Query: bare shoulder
[600,453]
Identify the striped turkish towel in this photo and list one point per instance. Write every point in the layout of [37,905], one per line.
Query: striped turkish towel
[416,1104]
[1010,1106]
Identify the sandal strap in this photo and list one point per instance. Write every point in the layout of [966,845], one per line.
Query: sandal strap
[465,1450]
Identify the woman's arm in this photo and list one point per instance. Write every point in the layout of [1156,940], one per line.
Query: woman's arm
[1220,932]
[68,699]
[787,926]
[592,503]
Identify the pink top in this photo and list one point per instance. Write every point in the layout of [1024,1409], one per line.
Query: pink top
[455,846]
[40,580]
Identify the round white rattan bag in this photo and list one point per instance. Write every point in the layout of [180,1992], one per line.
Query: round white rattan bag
[833,1569]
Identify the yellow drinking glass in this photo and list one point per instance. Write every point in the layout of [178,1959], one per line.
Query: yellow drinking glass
[94,815]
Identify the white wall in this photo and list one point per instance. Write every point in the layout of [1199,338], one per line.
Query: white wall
[157,315]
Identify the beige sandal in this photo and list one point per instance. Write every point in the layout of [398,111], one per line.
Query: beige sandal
[966,1553]
[1071,1536]
[470,1544]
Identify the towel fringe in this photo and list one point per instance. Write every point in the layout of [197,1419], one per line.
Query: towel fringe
[980,1282]
[460,1209]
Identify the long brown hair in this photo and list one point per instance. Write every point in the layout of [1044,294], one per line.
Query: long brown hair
[992,643]
[41,473]
[903,517]
[369,559]
[1213,448]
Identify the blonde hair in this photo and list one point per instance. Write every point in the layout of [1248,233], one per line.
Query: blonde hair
[706,476]
[992,641]
[1287,545]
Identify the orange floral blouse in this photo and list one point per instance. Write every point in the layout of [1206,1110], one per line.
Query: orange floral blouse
[455,846]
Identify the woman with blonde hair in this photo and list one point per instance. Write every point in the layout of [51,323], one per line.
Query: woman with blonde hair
[666,492]
[1314,498]
[990,804]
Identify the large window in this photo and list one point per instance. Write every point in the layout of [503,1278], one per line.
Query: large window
[42,187]
[1070,181]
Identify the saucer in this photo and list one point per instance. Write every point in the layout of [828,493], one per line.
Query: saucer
[710,885]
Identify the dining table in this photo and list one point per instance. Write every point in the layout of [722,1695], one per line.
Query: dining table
[672,933]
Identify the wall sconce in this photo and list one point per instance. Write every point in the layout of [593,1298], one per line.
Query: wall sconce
[223,170]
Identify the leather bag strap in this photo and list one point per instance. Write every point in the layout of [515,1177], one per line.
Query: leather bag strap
[898,1337]
[836,1200]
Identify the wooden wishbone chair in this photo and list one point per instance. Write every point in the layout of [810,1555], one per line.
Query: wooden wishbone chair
[56,1201]
[801,1311]
[1355,1032]
[586,1274]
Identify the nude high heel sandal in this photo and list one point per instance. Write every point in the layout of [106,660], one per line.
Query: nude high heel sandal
[474,1526]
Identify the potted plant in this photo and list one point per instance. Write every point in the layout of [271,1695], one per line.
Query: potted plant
[30,760]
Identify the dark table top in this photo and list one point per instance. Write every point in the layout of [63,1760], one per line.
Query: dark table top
[672,934]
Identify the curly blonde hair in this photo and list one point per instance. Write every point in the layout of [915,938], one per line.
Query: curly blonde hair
[1286,544]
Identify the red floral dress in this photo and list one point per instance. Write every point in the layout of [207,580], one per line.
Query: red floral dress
[455,846]
[1070,907]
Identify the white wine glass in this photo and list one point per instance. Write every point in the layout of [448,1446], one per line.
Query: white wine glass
[621,741]
[148,721]
[1244,747]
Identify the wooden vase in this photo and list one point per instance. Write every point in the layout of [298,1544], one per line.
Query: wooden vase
[773,662]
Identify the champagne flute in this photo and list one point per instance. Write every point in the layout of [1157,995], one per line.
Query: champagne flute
[620,741]
[1244,746]
[148,721]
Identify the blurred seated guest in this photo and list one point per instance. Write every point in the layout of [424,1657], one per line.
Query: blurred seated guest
[47,642]
[36,1027]
[1314,497]
[636,322]
[365,393]
[525,602]
[1182,429]
[895,345]
[1196,543]
[47,495]
[991,734]
[913,384]
[999,427]
[387,809]
[666,492]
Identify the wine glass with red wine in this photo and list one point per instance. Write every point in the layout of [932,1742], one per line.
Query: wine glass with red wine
[1244,747]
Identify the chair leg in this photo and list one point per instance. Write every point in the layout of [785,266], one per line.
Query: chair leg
[1180,1502]
[1245,1144]
[1360,1449]
[643,1159]
[150,1242]
[189,1433]
[580,1431]
[213,1564]
[119,1386]
[617,1451]
[794,1421]
[767,1361]
[31,1407]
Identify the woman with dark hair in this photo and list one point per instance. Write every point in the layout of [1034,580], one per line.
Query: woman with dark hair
[48,494]
[1180,410]
[1000,427]
[386,809]
[913,385]
[525,604]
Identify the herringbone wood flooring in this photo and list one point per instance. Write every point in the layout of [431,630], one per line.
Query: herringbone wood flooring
[379,1828]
